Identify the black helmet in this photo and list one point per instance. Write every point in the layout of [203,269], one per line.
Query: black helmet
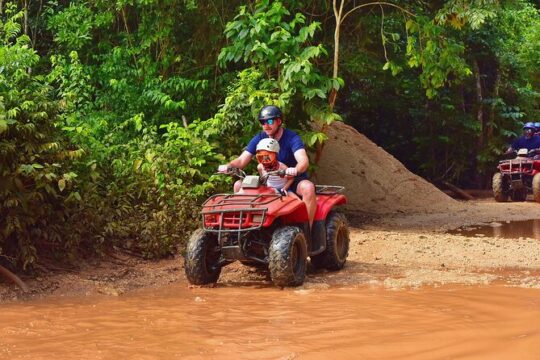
[270,112]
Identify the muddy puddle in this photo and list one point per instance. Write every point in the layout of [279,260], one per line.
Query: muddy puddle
[259,322]
[508,229]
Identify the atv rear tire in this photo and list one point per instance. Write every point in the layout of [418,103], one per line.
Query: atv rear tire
[500,187]
[536,187]
[202,258]
[288,256]
[337,243]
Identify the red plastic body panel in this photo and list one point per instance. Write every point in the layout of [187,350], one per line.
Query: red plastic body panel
[272,205]
[256,204]
[325,203]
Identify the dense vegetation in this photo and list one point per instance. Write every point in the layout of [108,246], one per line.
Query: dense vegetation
[115,114]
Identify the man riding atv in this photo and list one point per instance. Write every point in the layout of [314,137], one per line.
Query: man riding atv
[528,141]
[291,153]
[262,223]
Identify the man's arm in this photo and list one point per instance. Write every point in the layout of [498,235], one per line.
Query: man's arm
[303,161]
[242,161]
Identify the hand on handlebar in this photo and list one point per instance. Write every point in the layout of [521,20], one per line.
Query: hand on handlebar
[228,170]
[280,173]
[292,172]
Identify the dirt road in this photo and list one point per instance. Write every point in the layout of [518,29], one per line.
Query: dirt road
[394,251]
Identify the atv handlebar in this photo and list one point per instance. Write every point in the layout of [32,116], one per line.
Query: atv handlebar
[264,178]
[509,155]
[239,173]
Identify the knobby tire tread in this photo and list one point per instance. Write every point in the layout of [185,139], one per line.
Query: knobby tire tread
[195,260]
[330,259]
[281,270]
[536,187]
[498,188]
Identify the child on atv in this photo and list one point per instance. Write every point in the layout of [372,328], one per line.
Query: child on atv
[267,152]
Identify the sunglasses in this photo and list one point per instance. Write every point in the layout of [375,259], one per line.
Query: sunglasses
[267,121]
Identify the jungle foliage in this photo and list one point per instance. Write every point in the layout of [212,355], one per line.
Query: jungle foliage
[115,114]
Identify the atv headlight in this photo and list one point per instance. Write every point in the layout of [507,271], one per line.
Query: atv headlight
[257,219]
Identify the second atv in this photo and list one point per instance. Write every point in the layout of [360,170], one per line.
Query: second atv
[517,177]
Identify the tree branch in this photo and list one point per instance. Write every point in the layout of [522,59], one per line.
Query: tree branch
[382,34]
[376,3]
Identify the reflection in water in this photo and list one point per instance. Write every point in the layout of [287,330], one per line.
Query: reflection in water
[268,323]
[509,230]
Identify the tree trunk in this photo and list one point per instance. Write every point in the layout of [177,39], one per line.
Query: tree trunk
[479,105]
[25,29]
[338,12]
[495,96]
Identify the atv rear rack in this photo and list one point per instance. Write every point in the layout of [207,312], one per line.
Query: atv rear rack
[328,189]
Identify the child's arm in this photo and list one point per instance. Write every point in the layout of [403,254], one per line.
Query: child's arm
[260,169]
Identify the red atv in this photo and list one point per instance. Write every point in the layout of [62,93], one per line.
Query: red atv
[517,177]
[259,227]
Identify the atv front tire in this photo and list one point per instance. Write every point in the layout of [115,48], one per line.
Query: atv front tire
[519,194]
[536,187]
[337,243]
[288,256]
[500,187]
[202,258]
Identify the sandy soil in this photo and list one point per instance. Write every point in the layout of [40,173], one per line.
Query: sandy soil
[398,223]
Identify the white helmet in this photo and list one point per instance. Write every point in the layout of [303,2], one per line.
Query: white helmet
[268,145]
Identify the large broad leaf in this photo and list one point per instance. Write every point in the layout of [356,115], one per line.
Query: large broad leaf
[61,184]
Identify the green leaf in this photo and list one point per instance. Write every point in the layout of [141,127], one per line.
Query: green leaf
[61,184]
[137,164]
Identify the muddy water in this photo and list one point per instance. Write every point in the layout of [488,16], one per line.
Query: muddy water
[509,229]
[267,323]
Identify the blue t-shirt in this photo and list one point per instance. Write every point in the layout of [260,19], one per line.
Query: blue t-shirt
[524,143]
[289,143]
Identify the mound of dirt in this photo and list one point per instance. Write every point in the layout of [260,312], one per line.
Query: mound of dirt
[375,181]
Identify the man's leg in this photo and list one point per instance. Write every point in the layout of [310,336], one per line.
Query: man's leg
[306,190]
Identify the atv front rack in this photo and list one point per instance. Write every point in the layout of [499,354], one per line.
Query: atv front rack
[516,166]
[240,199]
[247,214]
